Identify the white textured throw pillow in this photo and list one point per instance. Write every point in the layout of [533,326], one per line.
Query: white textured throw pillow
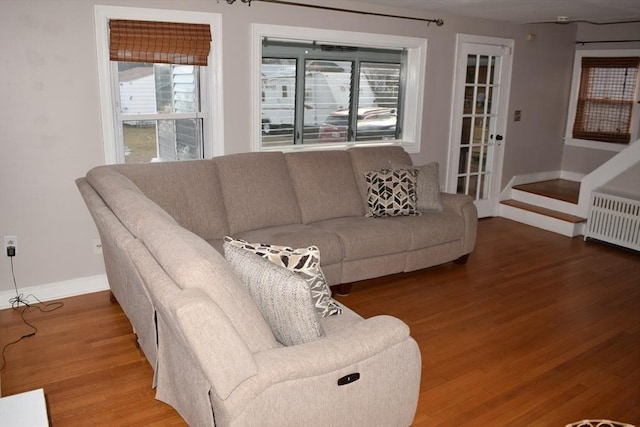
[427,186]
[282,296]
[304,261]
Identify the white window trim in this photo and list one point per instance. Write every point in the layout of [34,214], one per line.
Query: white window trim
[214,129]
[413,98]
[573,102]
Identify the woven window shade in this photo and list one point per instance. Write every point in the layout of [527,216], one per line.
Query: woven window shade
[159,42]
[605,99]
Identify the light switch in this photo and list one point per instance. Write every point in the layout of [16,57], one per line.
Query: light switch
[517,115]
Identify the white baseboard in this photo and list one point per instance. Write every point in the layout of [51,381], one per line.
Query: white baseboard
[53,291]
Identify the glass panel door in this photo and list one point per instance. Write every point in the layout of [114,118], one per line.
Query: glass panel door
[478,124]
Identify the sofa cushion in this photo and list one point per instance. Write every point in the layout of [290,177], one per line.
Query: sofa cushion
[299,236]
[315,176]
[283,297]
[257,191]
[364,159]
[364,237]
[427,186]
[432,228]
[305,261]
[391,192]
[132,207]
[192,263]
[189,191]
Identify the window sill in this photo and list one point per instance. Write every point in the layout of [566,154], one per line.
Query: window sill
[595,145]
[410,147]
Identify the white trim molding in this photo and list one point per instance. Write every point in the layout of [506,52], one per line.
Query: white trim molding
[214,133]
[54,291]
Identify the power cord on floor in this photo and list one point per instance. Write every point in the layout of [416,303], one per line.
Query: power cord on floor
[21,300]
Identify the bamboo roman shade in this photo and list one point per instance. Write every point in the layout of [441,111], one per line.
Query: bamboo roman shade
[159,42]
[605,98]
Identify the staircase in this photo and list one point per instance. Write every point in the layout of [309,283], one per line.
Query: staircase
[551,205]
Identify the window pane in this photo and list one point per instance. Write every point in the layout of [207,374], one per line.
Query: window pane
[379,89]
[139,141]
[180,139]
[162,140]
[327,99]
[158,88]
[278,101]
[605,99]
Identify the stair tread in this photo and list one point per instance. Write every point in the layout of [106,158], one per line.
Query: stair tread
[544,211]
[559,189]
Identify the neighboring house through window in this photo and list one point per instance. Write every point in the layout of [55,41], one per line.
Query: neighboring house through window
[336,89]
[604,102]
[161,105]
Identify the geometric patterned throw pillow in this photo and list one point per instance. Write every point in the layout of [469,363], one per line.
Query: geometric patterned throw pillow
[303,261]
[391,192]
[599,423]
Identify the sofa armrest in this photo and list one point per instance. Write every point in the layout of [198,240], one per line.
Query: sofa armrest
[455,202]
[385,390]
[463,205]
[220,351]
[349,346]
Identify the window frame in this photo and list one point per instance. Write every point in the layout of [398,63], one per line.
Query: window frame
[211,93]
[412,102]
[573,102]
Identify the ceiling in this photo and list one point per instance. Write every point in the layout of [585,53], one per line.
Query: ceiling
[526,11]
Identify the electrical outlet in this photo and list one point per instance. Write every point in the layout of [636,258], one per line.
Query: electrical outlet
[97,247]
[10,241]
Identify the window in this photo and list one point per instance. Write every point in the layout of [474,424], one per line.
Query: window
[335,89]
[159,65]
[604,96]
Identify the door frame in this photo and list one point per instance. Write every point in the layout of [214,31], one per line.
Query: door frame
[507,46]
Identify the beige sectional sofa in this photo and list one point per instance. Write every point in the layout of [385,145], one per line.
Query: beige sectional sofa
[216,359]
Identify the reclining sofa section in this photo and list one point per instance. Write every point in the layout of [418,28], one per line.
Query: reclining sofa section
[162,227]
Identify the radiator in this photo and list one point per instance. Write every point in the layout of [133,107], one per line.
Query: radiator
[614,219]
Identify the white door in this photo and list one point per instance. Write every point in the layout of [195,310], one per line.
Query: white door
[479,119]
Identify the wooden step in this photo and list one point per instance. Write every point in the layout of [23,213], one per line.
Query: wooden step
[559,189]
[544,211]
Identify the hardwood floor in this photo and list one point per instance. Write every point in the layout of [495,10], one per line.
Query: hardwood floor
[536,329]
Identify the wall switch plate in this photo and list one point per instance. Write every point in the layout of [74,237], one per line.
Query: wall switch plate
[10,241]
[517,115]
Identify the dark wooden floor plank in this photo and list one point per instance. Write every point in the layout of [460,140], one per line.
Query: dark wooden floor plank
[536,329]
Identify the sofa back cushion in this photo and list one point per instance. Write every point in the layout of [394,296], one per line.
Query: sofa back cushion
[324,184]
[191,262]
[188,191]
[257,191]
[366,159]
[132,207]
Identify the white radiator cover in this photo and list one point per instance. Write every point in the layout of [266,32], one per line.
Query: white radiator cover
[614,219]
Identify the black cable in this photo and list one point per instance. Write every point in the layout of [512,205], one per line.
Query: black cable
[15,305]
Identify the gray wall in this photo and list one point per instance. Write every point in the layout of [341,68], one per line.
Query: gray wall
[50,126]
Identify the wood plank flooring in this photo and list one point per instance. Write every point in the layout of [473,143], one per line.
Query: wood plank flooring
[536,329]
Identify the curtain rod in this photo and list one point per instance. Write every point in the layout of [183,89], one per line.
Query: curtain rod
[605,41]
[439,22]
